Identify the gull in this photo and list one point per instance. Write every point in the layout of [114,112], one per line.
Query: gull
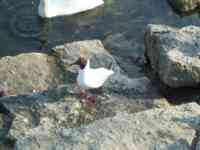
[53,8]
[91,78]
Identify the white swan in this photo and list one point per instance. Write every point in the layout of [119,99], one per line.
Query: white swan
[53,8]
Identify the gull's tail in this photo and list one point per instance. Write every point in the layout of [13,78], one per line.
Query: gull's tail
[110,67]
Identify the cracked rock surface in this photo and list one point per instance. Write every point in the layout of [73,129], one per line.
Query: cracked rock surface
[163,129]
[174,54]
[25,72]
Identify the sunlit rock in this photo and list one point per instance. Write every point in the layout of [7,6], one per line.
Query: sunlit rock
[163,129]
[89,49]
[174,54]
[27,72]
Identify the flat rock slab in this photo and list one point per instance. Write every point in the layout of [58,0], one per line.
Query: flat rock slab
[27,72]
[62,107]
[162,129]
[174,54]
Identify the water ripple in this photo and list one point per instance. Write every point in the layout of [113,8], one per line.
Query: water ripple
[24,20]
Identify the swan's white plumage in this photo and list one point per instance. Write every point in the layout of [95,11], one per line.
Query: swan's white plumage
[91,78]
[52,8]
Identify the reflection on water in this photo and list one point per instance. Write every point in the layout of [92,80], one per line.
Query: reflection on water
[21,30]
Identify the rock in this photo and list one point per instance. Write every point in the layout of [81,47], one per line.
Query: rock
[139,88]
[89,49]
[48,109]
[6,119]
[5,123]
[174,54]
[163,129]
[25,72]
[44,112]
[6,146]
[128,53]
[197,143]
[185,6]
[61,108]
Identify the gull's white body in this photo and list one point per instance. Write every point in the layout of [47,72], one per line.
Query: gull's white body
[91,78]
[52,8]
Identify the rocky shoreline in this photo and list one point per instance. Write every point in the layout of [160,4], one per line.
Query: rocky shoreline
[41,108]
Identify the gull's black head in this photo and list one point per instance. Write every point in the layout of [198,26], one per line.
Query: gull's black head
[81,62]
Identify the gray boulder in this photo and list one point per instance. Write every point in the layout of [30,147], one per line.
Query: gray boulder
[5,123]
[174,54]
[61,107]
[89,49]
[185,6]
[27,72]
[128,53]
[161,129]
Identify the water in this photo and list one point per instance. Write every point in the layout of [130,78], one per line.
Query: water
[21,30]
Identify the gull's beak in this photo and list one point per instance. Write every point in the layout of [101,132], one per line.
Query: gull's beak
[81,62]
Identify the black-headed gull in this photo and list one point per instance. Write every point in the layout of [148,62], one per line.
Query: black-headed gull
[91,78]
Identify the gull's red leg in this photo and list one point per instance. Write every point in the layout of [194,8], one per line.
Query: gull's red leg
[92,99]
[83,94]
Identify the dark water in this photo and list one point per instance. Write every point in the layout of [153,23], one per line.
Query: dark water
[21,30]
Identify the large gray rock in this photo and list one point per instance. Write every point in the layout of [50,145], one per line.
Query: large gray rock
[5,123]
[161,129]
[61,107]
[25,72]
[89,49]
[185,6]
[174,54]
[128,53]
